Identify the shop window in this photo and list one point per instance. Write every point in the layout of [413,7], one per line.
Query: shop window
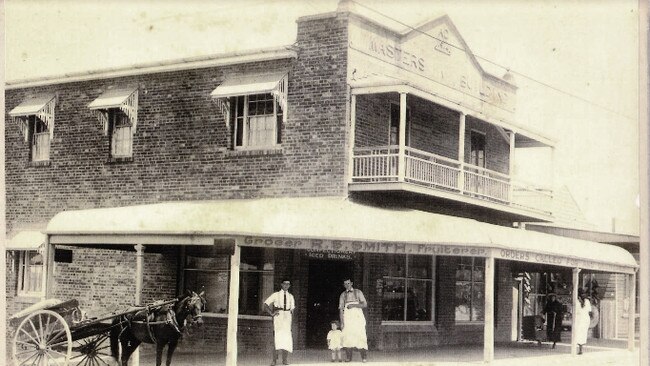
[408,288]
[258,119]
[212,273]
[470,288]
[30,273]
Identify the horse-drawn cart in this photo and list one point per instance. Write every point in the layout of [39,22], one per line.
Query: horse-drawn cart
[54,332]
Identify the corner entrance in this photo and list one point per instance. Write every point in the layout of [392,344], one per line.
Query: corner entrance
[325,286]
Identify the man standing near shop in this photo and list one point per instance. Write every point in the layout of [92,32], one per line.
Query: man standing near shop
[353,322]
[280,306]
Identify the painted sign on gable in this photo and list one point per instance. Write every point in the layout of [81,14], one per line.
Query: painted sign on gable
[435,59]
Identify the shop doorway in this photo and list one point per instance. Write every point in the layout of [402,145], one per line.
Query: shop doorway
[325,286]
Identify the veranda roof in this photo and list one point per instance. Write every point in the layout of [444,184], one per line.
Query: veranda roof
[327,218]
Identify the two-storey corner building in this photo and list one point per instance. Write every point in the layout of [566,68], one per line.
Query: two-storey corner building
[360,151]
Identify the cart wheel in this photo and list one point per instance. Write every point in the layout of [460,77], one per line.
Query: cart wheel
[42,338]
[91,351]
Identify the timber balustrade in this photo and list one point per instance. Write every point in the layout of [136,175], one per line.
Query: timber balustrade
[380,164]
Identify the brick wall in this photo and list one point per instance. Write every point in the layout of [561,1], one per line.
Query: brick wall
[181,147]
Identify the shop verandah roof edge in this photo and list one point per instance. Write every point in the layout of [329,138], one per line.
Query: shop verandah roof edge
[329,218]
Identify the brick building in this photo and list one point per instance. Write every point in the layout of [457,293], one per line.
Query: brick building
[360,151]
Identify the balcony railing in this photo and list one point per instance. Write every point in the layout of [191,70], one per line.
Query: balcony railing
[380,164]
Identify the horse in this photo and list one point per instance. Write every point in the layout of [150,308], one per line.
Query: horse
[161,326]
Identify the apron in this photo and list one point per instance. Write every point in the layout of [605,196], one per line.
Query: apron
[582,322]
[354,327]
[282,330]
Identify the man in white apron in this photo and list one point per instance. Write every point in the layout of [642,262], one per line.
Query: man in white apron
[353,322]
[280,306]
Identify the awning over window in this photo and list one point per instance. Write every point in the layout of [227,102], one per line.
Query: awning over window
[41,106]
[249,84]
[274,83]
[26,240]
[332,223]
[126,99]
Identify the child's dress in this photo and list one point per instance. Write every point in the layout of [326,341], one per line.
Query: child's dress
[335,339]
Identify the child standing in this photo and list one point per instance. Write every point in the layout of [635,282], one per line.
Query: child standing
[335,341]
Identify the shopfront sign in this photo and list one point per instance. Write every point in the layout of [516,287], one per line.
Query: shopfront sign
[345,246]
[556,260]
[329,255]
[345,249]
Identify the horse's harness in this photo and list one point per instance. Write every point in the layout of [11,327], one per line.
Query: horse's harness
[170,320]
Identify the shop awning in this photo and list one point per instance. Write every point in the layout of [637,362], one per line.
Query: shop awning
[336,220]
[249,84]
[26,240]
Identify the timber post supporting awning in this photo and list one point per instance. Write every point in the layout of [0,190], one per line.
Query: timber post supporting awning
[233,308]
[41,106]
[575,304]
[488,327]
[247,84]
[631,319]
[125,99]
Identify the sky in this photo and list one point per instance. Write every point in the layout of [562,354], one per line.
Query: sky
[575,63]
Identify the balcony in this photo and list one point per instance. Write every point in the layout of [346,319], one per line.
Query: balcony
[415,149]
[378,168]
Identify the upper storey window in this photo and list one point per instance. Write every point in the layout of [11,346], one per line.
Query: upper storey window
[117,110]
[35,116]
[254,107]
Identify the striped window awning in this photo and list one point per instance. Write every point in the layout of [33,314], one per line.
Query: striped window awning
[126,99]
[41,106]
[247,84]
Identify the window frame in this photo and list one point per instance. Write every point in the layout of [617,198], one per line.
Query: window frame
[278,118]
[113,114]
[24,275]
[472,283]
[406,277]
[33,121]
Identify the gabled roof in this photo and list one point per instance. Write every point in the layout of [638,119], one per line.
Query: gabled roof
[405,32]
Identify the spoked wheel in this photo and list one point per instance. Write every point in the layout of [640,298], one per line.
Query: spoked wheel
[43,338]
[91,351]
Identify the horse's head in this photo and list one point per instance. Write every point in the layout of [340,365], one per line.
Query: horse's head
[192,306]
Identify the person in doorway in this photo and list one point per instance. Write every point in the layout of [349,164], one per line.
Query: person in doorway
[583,319]
[554,313]
[353,322]
[280,306]
[334,341]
